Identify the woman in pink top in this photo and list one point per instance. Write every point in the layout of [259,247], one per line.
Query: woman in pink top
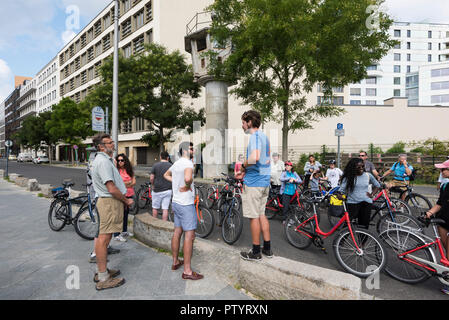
[126,172]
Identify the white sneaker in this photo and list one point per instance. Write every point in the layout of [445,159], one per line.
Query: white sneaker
[120,238]
[126,234]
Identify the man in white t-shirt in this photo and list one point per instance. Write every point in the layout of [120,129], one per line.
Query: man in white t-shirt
[333,174]
[277,167]
[180,174]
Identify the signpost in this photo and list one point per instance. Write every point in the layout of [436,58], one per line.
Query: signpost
[8,145]
[98,119]
[75,147]
[339,132]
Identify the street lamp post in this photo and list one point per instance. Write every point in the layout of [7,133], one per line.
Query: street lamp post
[114,128]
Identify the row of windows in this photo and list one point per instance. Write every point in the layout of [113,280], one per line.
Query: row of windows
[30,97]
[440,72]
[397,33]
[440,85]
[135,125]
[358,92]
[127,27]
[443,98]
[397,57]
[50,70]
[47,86]
[27,110]
[359,102]
[409,46]
[47,98]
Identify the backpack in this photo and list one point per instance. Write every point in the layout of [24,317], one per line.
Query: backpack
[411,177]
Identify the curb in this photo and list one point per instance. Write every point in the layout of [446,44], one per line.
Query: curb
[275,279]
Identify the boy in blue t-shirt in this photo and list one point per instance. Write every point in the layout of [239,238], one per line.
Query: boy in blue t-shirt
[256,187]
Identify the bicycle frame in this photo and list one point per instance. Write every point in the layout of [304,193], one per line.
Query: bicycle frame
[344,219]
[437,268]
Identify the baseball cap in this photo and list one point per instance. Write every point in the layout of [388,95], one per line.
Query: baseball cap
[443,165]
[288,163]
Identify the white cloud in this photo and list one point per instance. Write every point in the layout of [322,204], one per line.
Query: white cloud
[425,11]
[67,36]
[87,8]
[6,80]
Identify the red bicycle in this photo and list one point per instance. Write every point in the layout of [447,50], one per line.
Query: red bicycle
[411,258]
[274,205]
[358,251]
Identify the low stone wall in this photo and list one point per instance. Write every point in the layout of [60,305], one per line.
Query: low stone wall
[277,278]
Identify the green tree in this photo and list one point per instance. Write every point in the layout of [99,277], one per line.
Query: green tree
[432,147]
[398,147]
[69,122]
[152,85]
[282,48]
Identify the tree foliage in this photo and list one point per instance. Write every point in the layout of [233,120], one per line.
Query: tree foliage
[152,85]
[282,48]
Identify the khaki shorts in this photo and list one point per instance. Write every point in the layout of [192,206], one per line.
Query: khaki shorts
[111,213]
[398,183]
[254,200]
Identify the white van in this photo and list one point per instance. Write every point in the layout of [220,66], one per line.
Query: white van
[24,157]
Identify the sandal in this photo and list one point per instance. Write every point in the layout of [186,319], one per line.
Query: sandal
[193,276]
[176,266]
[112,274]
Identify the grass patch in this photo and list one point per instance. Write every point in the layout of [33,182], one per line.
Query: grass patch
[40,195]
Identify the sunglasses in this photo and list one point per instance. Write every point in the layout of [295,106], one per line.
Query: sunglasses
[120,160]
[362,155]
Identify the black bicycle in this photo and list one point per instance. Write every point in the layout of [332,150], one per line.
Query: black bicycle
[229,211]
[61,212]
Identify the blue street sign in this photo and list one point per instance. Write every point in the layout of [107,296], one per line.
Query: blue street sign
[339,126]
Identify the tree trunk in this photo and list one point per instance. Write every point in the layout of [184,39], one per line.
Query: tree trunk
[285,130]
[161,140]
[49,153]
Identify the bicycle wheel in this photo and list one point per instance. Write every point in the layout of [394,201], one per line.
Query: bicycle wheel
[400,220]
[206,222]
[398,241]
[271,207]
[209,201]
[57,214]
[401,206]
[232,226]
[295,237]
[370,259]
[86,223]
[419,204]
[142,197]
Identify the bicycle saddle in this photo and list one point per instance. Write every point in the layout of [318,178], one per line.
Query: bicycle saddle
[68,183]
[217,179]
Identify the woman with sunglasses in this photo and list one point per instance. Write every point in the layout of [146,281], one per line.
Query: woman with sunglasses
[126,172]
[289,181]
[441,210]
[355,184]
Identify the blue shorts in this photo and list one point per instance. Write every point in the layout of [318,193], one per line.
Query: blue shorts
[185,216]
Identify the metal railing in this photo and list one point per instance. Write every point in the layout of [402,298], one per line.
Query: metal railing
[201,19]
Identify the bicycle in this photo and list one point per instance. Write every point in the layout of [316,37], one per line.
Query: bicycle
[358,251]
[206,220]
[230,217]
[417,202]
[212,194]
[143,197]
[61,213]
[412,259]
[386,210]
[274,205]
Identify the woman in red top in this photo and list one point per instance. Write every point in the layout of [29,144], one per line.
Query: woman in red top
[126,172]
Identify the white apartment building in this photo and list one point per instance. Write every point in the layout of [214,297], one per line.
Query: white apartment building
[429,85]
[47,82]
[27,100]
[420,44]
[2,129]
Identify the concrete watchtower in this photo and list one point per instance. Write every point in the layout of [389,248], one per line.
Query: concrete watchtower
[198,42]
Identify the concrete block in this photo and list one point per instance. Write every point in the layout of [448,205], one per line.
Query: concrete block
[14,176]
[46,190]
[154,232]
[21,181]
[2,173]
[33,185]
[283,279]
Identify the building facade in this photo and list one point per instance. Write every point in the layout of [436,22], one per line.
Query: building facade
[2,129]
[47,81]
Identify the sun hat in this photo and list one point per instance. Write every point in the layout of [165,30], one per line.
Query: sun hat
[443,165]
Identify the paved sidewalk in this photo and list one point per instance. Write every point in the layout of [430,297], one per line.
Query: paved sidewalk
[34,261]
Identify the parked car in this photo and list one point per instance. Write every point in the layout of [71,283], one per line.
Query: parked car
[41,159]
[24,157]
[12,157]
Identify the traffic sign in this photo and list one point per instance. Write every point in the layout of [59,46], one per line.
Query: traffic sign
[339,126]
[339,132]
[8,143]
[97,119]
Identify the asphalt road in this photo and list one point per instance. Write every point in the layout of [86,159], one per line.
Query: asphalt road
[389,288]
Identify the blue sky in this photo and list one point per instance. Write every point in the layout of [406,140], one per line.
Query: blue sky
[31,34]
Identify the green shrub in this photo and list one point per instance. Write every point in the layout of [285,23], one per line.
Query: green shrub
[398,147]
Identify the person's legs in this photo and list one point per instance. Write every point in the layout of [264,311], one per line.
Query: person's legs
[165,204]
[189,237]
[125,219]
[156,203]
[175,243]
[101,250]
[285,203]
[364,214]
[444,239]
